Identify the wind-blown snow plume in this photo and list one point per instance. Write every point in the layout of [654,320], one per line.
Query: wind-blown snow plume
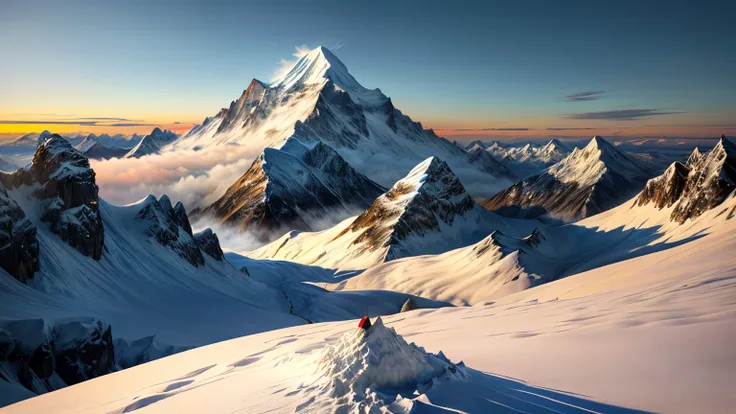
[285,65]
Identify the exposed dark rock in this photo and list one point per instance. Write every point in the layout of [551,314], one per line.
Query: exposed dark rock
[439,199]
[87,357]
[709,182]
[700,185]
[210,244]
[74,351]
[164,226]
[337,119]
[68,192]
[180,215]
[665,190]
[43,357]
[409,305]
[18,243]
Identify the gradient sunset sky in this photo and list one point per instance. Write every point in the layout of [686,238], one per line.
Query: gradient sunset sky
[467,69]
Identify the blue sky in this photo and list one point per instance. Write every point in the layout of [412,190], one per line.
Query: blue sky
[452,65]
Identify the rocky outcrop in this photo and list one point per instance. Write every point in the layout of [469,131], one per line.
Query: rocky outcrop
[165,226]
[210,244]
[180,215]
[18,243]
[709,182]
[409,305]
[68,193]
[692,189]
[43,357]
[430,200]
[665,190]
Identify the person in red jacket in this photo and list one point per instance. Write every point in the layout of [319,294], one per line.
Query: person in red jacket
[364,323]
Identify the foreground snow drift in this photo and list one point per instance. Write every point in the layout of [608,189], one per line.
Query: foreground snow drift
[368,371]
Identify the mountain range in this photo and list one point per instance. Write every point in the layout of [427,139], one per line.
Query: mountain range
[586,182]
[362,212]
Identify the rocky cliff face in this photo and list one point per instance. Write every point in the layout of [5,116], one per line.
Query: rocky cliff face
[665,190]
[697,187]
[18,243]
[170,229]
[68,193]
[428,201]
[43,357]
[210,244]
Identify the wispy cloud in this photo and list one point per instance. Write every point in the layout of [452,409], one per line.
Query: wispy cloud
[129,124]
[286,64]
[621,114]
[103,122]
[61,115]
[584,96]
[488,129]
[104,119]
[571,129]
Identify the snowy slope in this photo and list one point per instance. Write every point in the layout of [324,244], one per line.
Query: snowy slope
[652,333]
[109,275]
[500,265]
[426,212]
[584,183]
[494,267]
[318,100]
[295,186]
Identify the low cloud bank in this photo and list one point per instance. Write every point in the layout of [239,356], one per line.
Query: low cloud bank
[195,178]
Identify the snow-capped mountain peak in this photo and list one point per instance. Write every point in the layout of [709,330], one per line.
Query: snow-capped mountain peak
[695,157]
[477,144]
[319,100]
[586,166]
[553,147]
[317,66]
